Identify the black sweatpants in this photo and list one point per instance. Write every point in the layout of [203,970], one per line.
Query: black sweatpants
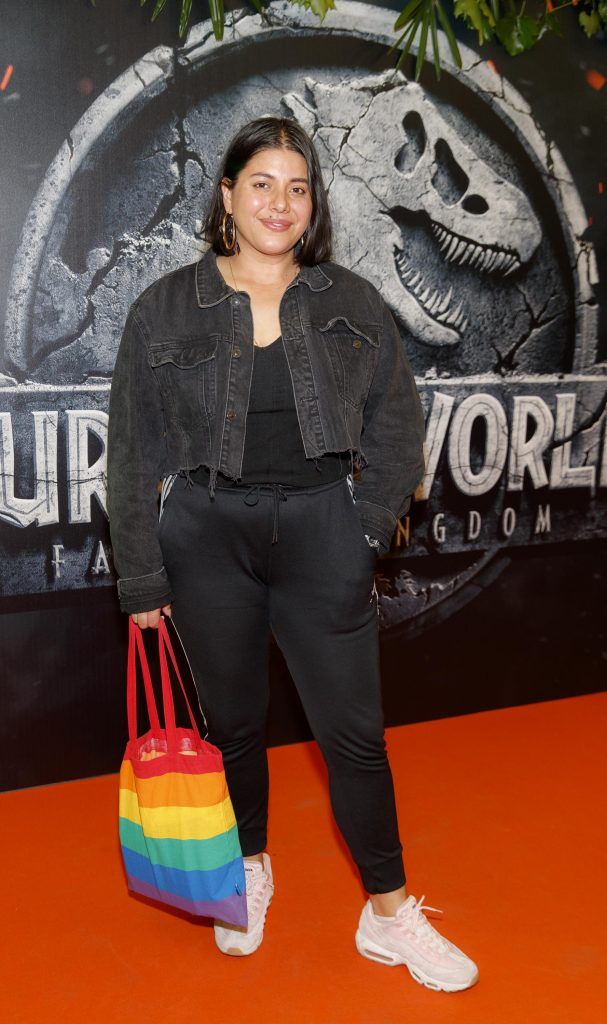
[294,562]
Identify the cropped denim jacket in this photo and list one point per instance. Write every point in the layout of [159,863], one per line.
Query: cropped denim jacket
[180,393]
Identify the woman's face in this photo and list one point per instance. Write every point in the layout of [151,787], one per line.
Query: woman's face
[271,201]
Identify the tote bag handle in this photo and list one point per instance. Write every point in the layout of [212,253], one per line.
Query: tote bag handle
[164,645]
[136,647]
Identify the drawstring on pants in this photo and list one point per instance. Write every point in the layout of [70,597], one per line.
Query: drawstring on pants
[278,493]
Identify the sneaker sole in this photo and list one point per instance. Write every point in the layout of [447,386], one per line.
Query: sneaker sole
[387,957]
[237,950]
[233,951]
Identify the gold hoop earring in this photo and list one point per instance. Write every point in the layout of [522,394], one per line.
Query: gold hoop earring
[229,246]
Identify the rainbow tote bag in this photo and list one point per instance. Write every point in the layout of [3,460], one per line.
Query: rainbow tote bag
[178,834]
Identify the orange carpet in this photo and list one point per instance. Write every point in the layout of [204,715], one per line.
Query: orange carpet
[502,817]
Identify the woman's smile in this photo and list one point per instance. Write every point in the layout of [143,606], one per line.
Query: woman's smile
[277,225]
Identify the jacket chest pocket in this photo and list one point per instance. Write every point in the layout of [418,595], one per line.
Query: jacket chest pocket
[186,373]
[353,350]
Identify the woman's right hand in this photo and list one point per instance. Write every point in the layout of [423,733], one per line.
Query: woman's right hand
[151,619]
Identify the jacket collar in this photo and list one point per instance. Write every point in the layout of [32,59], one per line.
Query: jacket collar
[211,286]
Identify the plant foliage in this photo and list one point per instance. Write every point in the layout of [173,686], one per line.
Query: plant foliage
[506,21]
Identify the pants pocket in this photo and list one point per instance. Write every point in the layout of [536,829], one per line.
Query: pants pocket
[167,485]
[359,528]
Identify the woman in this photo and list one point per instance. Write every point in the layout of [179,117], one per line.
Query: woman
[256,383]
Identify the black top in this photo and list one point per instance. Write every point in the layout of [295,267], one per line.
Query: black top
[273,447]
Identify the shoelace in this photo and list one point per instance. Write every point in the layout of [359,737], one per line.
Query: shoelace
[256,886]
[415,921]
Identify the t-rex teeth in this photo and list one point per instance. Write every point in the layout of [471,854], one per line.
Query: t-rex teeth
[459,249]
[479,257]
[445,303]
[453,246]
[464,258]
[434,302]
[457,313]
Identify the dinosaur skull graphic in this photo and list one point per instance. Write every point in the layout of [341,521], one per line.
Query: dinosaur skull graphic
[389,142]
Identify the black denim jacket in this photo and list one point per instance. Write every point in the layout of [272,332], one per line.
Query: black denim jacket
[180,394]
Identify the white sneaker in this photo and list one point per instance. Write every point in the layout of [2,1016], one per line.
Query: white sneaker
[238,940]
[409,938]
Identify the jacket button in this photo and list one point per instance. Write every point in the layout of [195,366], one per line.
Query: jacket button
[357,343]
[231,414]
[236,353]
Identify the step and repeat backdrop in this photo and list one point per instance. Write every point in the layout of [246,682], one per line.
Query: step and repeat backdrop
[472,202]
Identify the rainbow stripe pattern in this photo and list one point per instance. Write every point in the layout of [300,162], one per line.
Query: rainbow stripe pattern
[178,834]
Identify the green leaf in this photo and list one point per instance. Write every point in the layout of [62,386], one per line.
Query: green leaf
[517,33]
[478,15]
[217,17]
[435,48]
[396,44]
[591,23]
[444,20]
[319,7]
[549,22]
[406,14]
[160,4]
[423,39]
[412,31]
[184,17]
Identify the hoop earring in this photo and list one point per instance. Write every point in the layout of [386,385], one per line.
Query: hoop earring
[229,246]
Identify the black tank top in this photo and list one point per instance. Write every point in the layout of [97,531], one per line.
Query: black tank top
[273,447]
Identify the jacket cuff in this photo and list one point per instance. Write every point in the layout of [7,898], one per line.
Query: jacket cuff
[145,593]
[378,522]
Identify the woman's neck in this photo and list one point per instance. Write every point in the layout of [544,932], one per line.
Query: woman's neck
[256,269]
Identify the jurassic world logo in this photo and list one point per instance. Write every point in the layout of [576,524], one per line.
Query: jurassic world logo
[449,199]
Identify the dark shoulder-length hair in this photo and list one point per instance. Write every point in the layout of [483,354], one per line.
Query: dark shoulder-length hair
[273,133]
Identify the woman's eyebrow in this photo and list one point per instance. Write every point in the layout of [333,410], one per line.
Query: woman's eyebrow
[263,174]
